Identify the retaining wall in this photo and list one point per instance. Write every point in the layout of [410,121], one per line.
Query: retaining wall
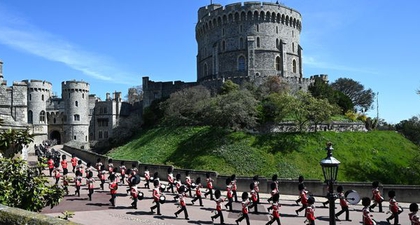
[405,193]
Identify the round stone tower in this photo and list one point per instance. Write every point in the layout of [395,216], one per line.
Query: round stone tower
[39,93]
[248,40]
[75,95]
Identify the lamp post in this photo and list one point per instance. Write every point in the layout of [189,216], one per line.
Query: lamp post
[330,170]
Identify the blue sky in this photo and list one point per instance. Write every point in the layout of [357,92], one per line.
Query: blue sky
[113,45]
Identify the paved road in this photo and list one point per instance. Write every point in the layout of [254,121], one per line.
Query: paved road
[99,211]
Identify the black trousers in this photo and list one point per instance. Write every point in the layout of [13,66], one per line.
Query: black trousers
[395,216]
[343,209]
[209,192]
[244,216]
[183,208]
[198,197]
[229,204]
[374,205]
[90,194]
[272,221]
[156,206]
[219,214]
[112,200]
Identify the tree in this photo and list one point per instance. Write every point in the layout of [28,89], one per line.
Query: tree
[410,129]
[186,107]
[307,109]
[273,85]
[362,99]
[22,187]
[228,86]
[12,141]
[276,107]
[321,90]
[236,110]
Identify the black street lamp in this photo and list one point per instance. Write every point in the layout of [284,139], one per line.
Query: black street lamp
[330,170]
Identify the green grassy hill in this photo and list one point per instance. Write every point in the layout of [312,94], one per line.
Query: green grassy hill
[365,156]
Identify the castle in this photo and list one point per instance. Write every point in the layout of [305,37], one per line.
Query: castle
[76,116]
[242,42]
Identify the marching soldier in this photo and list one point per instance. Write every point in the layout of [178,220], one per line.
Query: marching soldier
[197,192]
[367,218]
[182,203]
[73,161]
[209,186]
[303,198]
[156,197]
[188,182]
[170,179]
[146,177]
[229,194]
[234,186]
[64,164]
[275,206]
[376,197]
[218,201]
[394,208]
[343,204]
[113,187]
[244,213]
[90,181]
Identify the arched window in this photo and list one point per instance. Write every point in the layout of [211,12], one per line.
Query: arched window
[42,116]
[241,63]
[294,66]
[258,42]
[223,45]
[30,97]
[83,95]
[42,97]
[76,117]
[293,47]
[76,103]
[277,43]
[278,63]
[241,43]
[30,116]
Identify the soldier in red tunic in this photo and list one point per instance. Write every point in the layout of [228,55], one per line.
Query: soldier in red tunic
[171,179]
[244,212]
[367,218]
[274,190]
[156,197]
[123,171]
[376,197]
[57,174]
[50,164]
[343,204]
[197,192]
[90,181]
[182,203]
[113,187]
[64,164]
[229,194]
[303,198]
[218,201]
[73,161]
[188,182]
[275,206]
[209,186]
[310,211]
[394,208]
[414,218]
[147,177]
[78,182]
[234,186]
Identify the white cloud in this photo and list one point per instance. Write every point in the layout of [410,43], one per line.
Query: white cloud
[311,61]
[17,33]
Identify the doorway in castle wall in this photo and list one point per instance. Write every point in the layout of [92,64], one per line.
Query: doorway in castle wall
[55,135]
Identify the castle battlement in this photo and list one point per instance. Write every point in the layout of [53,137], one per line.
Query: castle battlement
[72,86]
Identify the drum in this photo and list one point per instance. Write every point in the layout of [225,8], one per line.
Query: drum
[140,195]
[162,187]
[352,197]
[193,185]
[162,199]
